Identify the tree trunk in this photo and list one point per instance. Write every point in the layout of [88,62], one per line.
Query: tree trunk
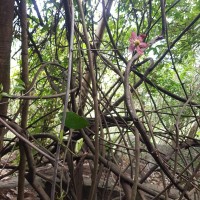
[6,19]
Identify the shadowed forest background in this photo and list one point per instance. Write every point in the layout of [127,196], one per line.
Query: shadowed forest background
[99,99]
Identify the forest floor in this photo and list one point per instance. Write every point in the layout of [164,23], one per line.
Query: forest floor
[8,185]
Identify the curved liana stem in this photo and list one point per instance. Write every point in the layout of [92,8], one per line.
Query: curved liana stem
[65,102]
[138,124]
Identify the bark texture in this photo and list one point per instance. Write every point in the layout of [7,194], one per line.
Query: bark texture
[6,19]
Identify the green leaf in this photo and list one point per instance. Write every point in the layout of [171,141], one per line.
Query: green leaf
[5,94]
[19,88]
[78,146]
[61,137]
[198,133]
[1,87]
[19,81]
[75,121]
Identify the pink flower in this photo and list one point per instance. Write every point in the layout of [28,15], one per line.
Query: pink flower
[137,44]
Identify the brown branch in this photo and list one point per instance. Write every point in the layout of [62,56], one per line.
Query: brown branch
[138,124]
[164,24]
[149,70]
[116,169]
[25,104]
[16,129]
[174,96]
[96,108]
[38,12]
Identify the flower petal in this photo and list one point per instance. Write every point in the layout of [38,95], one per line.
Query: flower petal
[133,36]
[143,45]
[131,47]
[140,39]
[143,36]
[137,44]
[139,50]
